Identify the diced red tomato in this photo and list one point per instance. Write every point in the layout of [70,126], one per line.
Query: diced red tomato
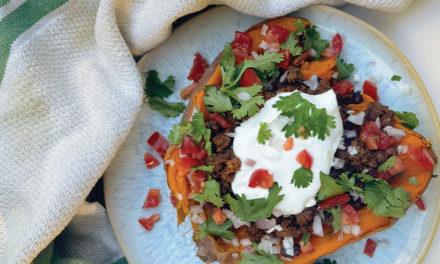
[173,200]
[420,204]
[343,87]
[370,89]
[186,163]
[288,144]
[421,157]
[148,223]
[249,78]
[153,198]
[150,161]
[305,249]
[370,134]
[276,33]
[261,178]
[241,46]
[159,143]
[220,119]
[349,215]
[218,216]
[335,48]
[305,159]
[337,200]
[285,63]
[198,180]
[398,167]
[385,142]
[188,146]
[384,175]
[199,67]
[370,247]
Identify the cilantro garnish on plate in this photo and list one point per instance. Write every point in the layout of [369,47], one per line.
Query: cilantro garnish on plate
[263,133]
[344,69]
[407,119]
[302,178]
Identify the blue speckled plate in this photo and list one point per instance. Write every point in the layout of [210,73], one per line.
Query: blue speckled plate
[127,181]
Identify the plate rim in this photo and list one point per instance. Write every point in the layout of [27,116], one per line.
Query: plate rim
[374,31]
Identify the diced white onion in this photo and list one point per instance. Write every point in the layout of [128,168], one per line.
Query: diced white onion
[190,179]
[340,235]
[243,96]
[405,89]
[170,162]
[235,255]
[250,162]
[355,195]
[265,244]
[346,229]
[264,29]
[398,134]
[265,224]
[195,209]
[377,121]
[350,112]
[355,230]
[277,212]
[255,54]
[352,150]
[235,242]
[342,144]
[335,75]
[356,78]
[236,221]
[245,242]
[180,197]
[338,163]
[198,218]
[312,83]
[317,226]
[357,119]
[263,45]
[284,76]
[313,53]
[230,134]
[277,227]
[288,246]
[321,214]
[402,149]
[350,133]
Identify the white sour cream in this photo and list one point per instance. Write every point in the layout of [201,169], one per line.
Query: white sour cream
[282,163]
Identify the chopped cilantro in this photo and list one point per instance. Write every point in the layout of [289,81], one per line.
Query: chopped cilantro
[176,134]
[312,38]
[263,133]
[302,177]
[387,164]
[305,239]
[337,218]
[211,193]
[252,210]
[165,108]
[205,168]
[292,45]
[210,227]
[396,78]
[344,69]
[261,258]
[216,101]
[319,46]
[308,119]
[413,180]
[407,119]
[329,187]
[248,107]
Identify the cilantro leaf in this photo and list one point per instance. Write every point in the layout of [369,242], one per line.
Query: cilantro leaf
[305,239]
[337,218]
[344,69]
[408,119]
[329,187]
[313,40]
[413,180]
[387,164]
[396,78]
[176,134]
[211,193]
[248,107]
[308,120]
[266,62]
[165,108]
[210,227]
[205,168]
[252,210]
[155,88]
[302,177]
[216,101]
[291,44]
[301,28]
[259,259]
[251,90]
[198,127]
[227,65]
[263,133]
[319,46]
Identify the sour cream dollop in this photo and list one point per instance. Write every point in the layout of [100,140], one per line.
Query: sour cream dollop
[281,163]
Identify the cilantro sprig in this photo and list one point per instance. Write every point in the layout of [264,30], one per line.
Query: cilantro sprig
[337,218]
[292,45]
[302,178]
[387,164]
[344,69]
[211,193]
[210,227]
[308,120]
[263,133]
[312,38]
[260,258]
[396,78]
[205,168]
[407,119]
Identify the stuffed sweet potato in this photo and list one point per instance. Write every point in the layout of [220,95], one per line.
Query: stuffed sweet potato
[278,159]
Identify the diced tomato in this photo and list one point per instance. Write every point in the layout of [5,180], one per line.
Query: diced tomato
[370,247]
[188,146]
[249,78]
[159,143]
[261,178]
[370,89]
[218,216]
[173,200]
[384,175]
[276,33]
[337,200]
[305,159]
[335,48]
[153,198]
[305,249]
[398,167]
[420,204]
[421,157]
[385,142]
[349,215]
[343,87]
[199,67]
[186,163]
[370,134]
[285,63]
[150,161]
[220,119]
[241,46]
[198,179]
[148,223]
[288,144]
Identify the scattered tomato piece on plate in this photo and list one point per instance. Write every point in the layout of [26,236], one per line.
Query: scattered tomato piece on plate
[420,204]
[370,89]
[150,161]
[153,198]
[370,247]
[159,143]
[148,223]
[335,48]
[198,69]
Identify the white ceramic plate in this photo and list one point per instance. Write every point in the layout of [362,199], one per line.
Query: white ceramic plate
[127,181]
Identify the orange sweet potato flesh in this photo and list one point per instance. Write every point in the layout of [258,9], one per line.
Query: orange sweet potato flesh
[369,223]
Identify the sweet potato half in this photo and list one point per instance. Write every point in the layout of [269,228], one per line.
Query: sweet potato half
[212,249]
